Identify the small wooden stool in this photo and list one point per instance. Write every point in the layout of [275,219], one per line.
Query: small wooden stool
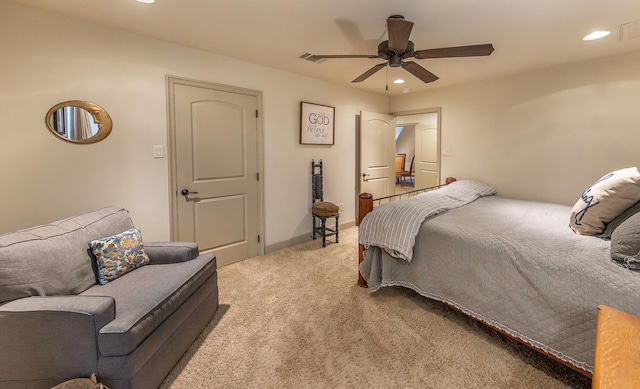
[617,357]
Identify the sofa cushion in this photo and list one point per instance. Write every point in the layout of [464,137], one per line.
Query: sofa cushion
[52,259]
[145,297]
[118,254]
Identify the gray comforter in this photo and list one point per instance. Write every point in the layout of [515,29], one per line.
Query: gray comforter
[393,226]
[516,265]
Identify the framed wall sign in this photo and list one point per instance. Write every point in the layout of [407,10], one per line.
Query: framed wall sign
[316,124]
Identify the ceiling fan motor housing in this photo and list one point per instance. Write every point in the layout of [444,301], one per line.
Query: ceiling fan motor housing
[394,58]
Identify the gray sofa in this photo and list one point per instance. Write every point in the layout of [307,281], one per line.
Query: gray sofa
[58,323]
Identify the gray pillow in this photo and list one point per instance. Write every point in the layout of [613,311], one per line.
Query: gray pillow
[613,224]
[625,243]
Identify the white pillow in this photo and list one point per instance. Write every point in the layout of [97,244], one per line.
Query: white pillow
[605,200]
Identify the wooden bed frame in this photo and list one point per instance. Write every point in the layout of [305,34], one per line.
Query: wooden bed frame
[365,205]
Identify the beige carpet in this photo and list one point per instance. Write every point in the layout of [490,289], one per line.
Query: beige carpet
[295,318]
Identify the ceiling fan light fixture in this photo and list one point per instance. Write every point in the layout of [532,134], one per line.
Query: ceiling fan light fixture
[598,34]
[146,1]
[398,81]
[395,61]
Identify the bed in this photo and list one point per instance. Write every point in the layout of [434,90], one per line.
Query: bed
[512,264]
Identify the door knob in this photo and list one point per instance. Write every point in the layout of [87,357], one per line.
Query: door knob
[185,192]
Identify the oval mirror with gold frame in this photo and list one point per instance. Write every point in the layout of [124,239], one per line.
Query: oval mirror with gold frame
[79,121]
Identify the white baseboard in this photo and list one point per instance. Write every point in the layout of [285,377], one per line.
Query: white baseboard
[301,239]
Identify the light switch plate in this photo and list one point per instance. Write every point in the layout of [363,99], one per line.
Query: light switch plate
[158,151]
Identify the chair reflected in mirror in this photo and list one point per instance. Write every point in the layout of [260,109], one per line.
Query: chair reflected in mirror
[408,174]
[400,161]
[320,209]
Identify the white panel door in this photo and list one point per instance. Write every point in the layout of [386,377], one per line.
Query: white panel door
[377,154]
[426,160]
[216,165]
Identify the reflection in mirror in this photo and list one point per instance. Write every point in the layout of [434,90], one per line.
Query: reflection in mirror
[79,122]
[74,123]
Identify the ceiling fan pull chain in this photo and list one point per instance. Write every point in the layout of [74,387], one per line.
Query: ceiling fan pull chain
[386,86]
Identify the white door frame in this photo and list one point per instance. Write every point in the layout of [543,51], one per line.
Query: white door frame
[174,194]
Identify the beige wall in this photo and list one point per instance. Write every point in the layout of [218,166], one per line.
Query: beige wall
[46,59]
[543,135]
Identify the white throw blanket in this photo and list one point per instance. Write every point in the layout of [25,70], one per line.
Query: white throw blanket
[393,226]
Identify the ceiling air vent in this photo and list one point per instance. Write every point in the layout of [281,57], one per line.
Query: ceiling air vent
[630,31]
[310,57]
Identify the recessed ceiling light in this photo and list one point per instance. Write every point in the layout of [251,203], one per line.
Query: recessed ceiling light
[398,81]
[596,35]
[146,1]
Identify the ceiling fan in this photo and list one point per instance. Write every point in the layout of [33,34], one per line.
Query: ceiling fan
[399,47]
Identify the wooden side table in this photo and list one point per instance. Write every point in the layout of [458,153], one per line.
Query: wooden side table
[617,356]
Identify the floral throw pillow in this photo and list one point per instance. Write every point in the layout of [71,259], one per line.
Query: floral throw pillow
[118,254]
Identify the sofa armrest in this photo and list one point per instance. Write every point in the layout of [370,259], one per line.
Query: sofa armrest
[51,338]
[170,252]
[101,309]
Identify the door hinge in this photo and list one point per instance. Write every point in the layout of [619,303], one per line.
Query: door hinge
[257,113]
[258,238]
[258,176]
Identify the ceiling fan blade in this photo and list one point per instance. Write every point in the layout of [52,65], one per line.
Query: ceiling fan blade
[369,72]
[418,71]
[399,31]
[459,51]
[318,57]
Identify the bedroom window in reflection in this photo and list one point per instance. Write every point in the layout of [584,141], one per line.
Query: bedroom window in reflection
[74,123]
[398,131]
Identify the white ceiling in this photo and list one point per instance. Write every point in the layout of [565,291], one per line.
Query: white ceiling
[526,34]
